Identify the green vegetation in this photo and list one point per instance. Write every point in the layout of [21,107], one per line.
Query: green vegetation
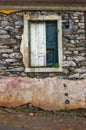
[56,65]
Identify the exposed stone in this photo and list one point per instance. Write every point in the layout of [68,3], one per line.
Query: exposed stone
[16,55]
[9,28]
[69,58]
[17,69]
[67,52]
[81,24]
[79,58]
[19,23]
[2,62]
[4,36]
[10,60]
[3,32]
[18,37]
[74,76]
[83,76]
[4,23]
[83,63]
[75,52]
[69,63]
[6,50]
[73,35]
[5,55]
[80,70]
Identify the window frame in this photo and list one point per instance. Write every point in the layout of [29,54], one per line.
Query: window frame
[25,43]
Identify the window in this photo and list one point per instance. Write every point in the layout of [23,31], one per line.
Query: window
[42,43]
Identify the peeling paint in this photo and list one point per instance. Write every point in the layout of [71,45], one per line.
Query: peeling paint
[8,11]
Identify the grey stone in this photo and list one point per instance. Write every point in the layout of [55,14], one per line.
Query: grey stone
[19,23]
[4,36]
[2,62]
[79,58]
[10,60]
[80,70]
[4,47]
[77,76]
[80,24]
[4,23]
[3,32]
[69,63]
[64,57]
[6,50]
[65,71]
[82,27]
[67,31]
[5,55]
[16,55]
[67,52]
[83,63]
[83,76]
[20,69]
[18,37]
[9,28]
[69,58]
[81,31]
[65,40]
[75,52]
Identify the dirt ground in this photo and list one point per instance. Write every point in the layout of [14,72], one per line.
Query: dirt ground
[23,118]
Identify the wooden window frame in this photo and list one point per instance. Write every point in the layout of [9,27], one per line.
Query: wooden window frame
[25,44]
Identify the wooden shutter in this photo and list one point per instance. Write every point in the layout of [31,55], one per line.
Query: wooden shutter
[51,43]
[38,44]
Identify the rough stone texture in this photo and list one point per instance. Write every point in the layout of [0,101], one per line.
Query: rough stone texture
[74,50]
[49,93]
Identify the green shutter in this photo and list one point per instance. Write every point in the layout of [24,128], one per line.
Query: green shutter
[51,43]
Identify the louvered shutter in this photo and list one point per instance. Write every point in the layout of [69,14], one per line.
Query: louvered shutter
[51,43]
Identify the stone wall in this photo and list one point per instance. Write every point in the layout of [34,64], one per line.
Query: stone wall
[74,51]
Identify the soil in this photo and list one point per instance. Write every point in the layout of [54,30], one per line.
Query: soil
[31,118]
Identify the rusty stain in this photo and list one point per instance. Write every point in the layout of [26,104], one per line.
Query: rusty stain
[48,93]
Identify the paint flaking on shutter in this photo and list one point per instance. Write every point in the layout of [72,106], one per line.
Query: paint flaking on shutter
[38,44]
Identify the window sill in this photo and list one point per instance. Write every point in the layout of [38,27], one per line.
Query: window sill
[43,69]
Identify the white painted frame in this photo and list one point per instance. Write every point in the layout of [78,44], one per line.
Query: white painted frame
[25,44]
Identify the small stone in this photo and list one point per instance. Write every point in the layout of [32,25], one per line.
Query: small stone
[69,58]
[81,24]
[18,37]
[79,58]
[83,63]
[19,69]
[75,52]
[3,32]
[6,50]
[10,60]
[19,23]
[5,55]
[31,114]
[77,76]
[64,57]
[4,23]
[4,36]
[80,70]
[9,28]
[83,76]
[67,52]
[69,63]
[16,55]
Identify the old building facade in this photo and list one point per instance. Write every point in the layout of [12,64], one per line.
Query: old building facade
[43,38]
